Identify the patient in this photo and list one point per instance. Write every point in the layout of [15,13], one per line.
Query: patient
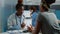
[47,22]
[34,15]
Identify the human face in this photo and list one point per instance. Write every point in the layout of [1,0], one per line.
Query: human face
[34,8]
[20,11]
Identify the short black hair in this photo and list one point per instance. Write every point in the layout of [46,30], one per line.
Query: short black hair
[18,6]
[31,7]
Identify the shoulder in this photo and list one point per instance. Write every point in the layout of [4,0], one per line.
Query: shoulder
[48,14]
[42,15]
[35,13]
[11,16]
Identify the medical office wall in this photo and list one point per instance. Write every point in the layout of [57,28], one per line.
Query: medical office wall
[7,7]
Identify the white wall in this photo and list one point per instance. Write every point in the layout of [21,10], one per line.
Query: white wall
[37,2]
[31,2]
[7,7]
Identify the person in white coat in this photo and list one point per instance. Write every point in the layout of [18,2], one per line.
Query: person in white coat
[16,20]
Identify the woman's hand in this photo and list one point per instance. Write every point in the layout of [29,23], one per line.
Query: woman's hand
[30,28]
[23,25]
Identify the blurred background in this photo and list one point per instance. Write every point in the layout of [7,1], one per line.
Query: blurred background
[7,7]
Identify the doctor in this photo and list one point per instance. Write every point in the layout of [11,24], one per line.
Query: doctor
[16,20]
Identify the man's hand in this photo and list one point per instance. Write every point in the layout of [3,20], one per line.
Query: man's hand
[23,25]
[30,28]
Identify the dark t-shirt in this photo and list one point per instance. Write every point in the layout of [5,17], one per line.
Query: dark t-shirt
[47,27]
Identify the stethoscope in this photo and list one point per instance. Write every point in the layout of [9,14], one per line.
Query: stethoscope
[20,19]
[16,19]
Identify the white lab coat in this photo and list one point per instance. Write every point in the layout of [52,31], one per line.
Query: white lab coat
[12,21]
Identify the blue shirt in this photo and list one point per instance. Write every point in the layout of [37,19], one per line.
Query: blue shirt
[34,16]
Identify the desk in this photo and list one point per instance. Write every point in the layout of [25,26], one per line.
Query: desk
[16,32]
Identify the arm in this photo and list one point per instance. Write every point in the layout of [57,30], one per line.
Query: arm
[38,25]
[10,24]
[30,28]
[23,25]
[37,28]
